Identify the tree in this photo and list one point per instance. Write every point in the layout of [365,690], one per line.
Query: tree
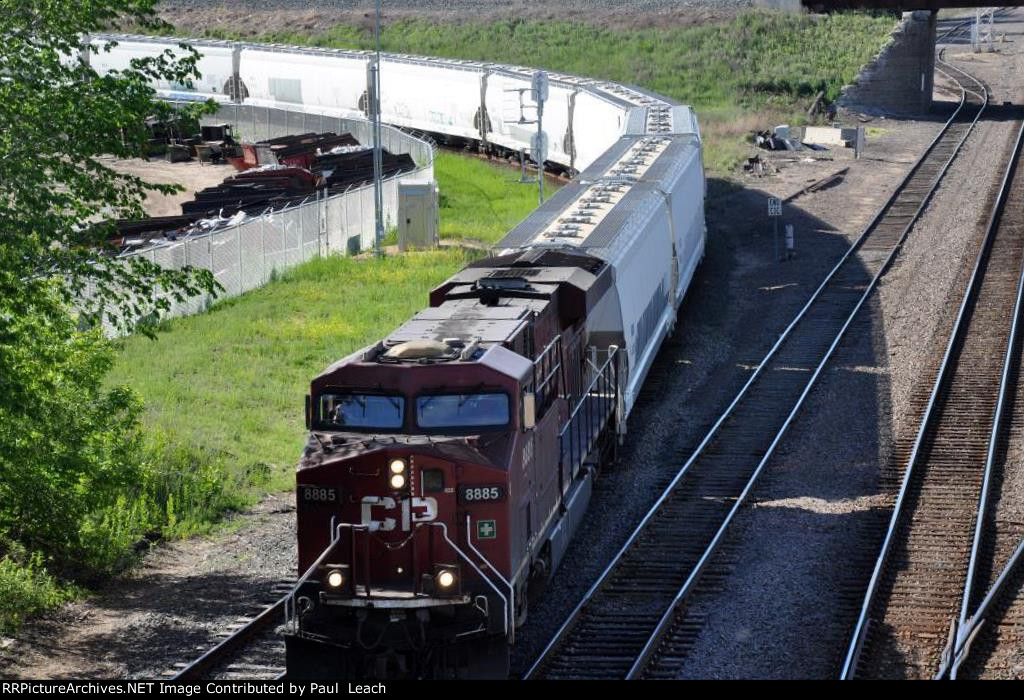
[57,118]
[68,443]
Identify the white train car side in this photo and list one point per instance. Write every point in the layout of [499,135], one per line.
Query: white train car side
[640,208]
[474,101]
[216,62]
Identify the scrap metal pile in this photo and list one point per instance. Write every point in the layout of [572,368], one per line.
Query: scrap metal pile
[271,175]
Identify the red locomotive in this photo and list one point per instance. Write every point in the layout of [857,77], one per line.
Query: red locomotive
[449,465]
[434,472]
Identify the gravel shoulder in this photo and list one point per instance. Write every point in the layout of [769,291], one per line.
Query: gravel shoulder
[168,610]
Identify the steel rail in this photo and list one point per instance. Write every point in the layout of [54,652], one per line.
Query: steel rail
[978,619]
[234,643]
[967,625]
[943,375]
[574,616]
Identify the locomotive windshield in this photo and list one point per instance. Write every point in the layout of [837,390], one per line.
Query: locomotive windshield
[462,411]
[362,411]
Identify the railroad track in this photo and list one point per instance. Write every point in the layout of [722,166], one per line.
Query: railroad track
[989,641]
[939,556]
[250,649]
[618,628]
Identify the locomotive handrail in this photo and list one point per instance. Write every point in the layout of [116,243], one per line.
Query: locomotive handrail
[511,588]
[289,609]
[481,574]
[606,374]
[548,364]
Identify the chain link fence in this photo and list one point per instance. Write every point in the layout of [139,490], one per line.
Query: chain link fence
[246,255]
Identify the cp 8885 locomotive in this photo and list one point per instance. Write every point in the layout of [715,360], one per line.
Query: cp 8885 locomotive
[449,465]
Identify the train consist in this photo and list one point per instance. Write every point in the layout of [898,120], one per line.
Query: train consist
[482,104]
[449,465]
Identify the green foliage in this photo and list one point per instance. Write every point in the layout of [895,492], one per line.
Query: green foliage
[26,588]
[76,490]
[67,445]
[760,63]
[57,117]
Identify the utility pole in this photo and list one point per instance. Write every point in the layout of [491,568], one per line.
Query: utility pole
[539,141]
[539,94]
[378,185]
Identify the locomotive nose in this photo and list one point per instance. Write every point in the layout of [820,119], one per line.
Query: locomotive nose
[383,514]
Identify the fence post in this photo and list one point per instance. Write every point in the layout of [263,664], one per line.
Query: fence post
[263,249]
[238,240]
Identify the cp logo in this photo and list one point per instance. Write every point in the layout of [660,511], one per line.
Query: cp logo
[413,510]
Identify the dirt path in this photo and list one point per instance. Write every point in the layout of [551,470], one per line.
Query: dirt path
[192,176]
[168,610]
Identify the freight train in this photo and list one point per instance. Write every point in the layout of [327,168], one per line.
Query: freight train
[485,105]
[449,465]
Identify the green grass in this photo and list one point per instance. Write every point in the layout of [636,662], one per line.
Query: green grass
[232,380]
[754,70]
[480,201]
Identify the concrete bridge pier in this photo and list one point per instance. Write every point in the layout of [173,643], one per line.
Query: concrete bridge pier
[901,79]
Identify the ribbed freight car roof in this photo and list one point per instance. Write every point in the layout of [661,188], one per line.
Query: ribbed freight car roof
[626,181]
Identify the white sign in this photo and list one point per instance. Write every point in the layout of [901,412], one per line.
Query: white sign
[414,510]
[539,146]
[539,87]
[774,206]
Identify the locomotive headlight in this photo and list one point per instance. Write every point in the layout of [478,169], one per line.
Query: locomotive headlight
[397,481]
[397,466]
[446,579]
[335,579]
